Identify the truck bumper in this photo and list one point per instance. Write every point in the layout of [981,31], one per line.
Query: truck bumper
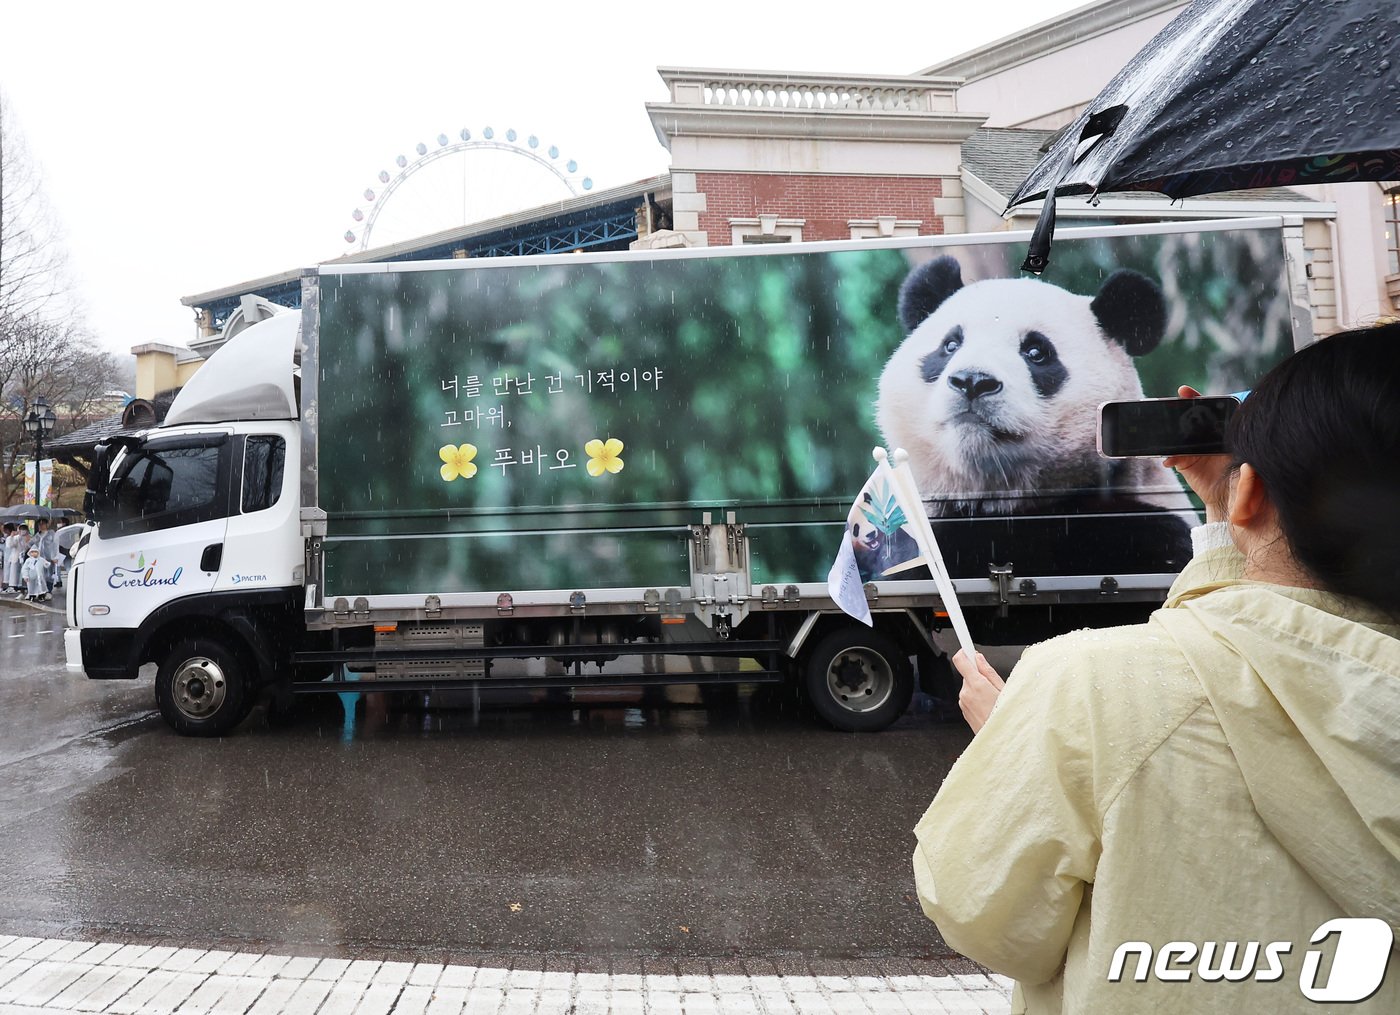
[108,651]
[73,651]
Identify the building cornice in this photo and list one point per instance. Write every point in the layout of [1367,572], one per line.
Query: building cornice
[1049,37]
[672,120]
[922,81]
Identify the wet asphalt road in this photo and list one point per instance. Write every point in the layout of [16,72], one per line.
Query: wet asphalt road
[739,827]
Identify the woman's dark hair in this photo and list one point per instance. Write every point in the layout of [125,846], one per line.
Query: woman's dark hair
[1322,430]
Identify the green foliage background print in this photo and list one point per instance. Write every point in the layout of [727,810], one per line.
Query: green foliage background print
[556,425]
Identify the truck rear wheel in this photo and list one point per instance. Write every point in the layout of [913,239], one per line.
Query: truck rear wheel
[858,680]
[202,687]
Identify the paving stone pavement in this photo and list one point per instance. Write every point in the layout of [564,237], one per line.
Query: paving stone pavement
[50,975]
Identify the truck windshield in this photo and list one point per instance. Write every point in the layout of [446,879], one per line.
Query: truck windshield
[158,486]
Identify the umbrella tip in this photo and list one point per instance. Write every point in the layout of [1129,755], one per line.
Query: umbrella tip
[1035,263]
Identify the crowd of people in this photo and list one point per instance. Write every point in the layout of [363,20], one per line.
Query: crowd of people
[33,561]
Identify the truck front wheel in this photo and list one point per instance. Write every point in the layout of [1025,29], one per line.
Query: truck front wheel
[202,687]
[858,680]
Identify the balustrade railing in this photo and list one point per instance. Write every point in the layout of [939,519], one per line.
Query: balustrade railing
[810,93]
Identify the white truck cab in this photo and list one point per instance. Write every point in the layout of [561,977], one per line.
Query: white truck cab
[197,541]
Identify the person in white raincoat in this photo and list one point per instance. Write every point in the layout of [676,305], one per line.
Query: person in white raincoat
[34,574]
[16,549]
[1161,818]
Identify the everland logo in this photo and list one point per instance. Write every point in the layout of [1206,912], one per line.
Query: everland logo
[141,576]
[1358,965]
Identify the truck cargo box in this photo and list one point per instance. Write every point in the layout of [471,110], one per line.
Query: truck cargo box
[559,423]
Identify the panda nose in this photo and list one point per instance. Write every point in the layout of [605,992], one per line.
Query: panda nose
[974,384]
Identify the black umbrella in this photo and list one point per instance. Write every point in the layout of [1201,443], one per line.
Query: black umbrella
[1237,95]
[25,512]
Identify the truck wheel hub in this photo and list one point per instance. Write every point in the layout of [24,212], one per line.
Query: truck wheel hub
[199,687]
[860,679]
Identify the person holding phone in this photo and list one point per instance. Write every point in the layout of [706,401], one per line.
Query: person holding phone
[1139,804]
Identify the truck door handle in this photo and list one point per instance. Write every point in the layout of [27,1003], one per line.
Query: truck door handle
[212,557]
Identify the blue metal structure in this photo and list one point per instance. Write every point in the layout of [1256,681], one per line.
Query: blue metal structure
[612,232]
[608,226]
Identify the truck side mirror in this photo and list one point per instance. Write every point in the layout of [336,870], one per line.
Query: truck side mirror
[95,500]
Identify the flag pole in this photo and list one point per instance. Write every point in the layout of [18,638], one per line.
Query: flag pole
[908,492]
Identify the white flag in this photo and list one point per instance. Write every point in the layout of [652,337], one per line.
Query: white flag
[877,541]
[887,531]
[845,586]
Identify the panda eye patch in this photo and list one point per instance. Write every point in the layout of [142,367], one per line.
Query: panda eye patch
[931,366]
[1037,349]
[1048,374]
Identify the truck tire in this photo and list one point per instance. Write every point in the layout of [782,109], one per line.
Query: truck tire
[202,687]
[858,680]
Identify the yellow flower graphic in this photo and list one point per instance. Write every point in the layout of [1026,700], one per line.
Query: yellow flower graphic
[457,461]
[603,457]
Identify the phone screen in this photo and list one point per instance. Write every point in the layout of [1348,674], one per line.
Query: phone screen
[1155,427]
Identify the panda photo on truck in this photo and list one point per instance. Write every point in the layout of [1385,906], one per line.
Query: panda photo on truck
[994,395]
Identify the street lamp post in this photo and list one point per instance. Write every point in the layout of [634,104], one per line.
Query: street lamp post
[40,423]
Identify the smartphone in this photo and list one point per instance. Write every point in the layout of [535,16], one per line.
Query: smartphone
[1154,427]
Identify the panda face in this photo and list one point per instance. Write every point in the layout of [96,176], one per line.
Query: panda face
[1042,361]
[998,387]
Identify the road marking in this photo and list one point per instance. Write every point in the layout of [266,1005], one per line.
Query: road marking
[39,976]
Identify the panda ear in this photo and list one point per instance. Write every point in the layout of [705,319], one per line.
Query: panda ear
[1132,311]
[926,288]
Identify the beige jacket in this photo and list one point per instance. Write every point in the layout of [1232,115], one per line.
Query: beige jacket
[1228,772]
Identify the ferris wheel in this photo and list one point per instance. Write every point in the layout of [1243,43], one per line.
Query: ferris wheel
[529,148]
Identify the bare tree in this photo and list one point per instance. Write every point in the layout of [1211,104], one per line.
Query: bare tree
[45,349]
[56,361]
[32,263]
